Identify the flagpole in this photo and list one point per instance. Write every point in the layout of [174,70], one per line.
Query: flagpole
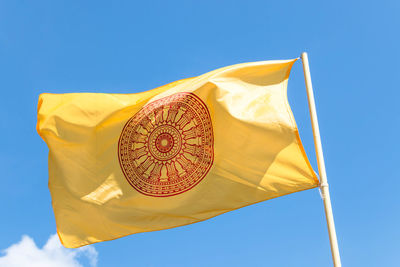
[324,187]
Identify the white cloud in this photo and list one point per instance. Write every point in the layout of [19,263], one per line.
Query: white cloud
[26,253]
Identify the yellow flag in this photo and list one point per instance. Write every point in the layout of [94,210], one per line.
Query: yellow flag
[121,164]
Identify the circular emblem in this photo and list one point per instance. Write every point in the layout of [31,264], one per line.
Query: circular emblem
[167,147]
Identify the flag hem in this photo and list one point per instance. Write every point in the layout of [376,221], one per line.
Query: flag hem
[297,134]
[81,244]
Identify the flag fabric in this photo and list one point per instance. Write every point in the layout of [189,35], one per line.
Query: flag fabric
[193,149]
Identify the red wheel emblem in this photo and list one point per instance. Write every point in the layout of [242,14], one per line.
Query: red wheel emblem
[168,146]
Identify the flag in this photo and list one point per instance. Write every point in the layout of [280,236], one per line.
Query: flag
[193,149]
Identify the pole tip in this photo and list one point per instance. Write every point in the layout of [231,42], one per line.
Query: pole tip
[303,55]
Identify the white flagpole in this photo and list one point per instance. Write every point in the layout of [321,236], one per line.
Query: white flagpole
[321,164]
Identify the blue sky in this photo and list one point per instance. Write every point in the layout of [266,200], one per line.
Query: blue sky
[132,46]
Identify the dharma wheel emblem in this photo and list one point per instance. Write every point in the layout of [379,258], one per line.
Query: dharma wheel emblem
[166,148]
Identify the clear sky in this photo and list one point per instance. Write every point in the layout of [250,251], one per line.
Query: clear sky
[132,46]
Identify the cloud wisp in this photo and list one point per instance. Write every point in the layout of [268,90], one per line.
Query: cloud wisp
[26,253]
